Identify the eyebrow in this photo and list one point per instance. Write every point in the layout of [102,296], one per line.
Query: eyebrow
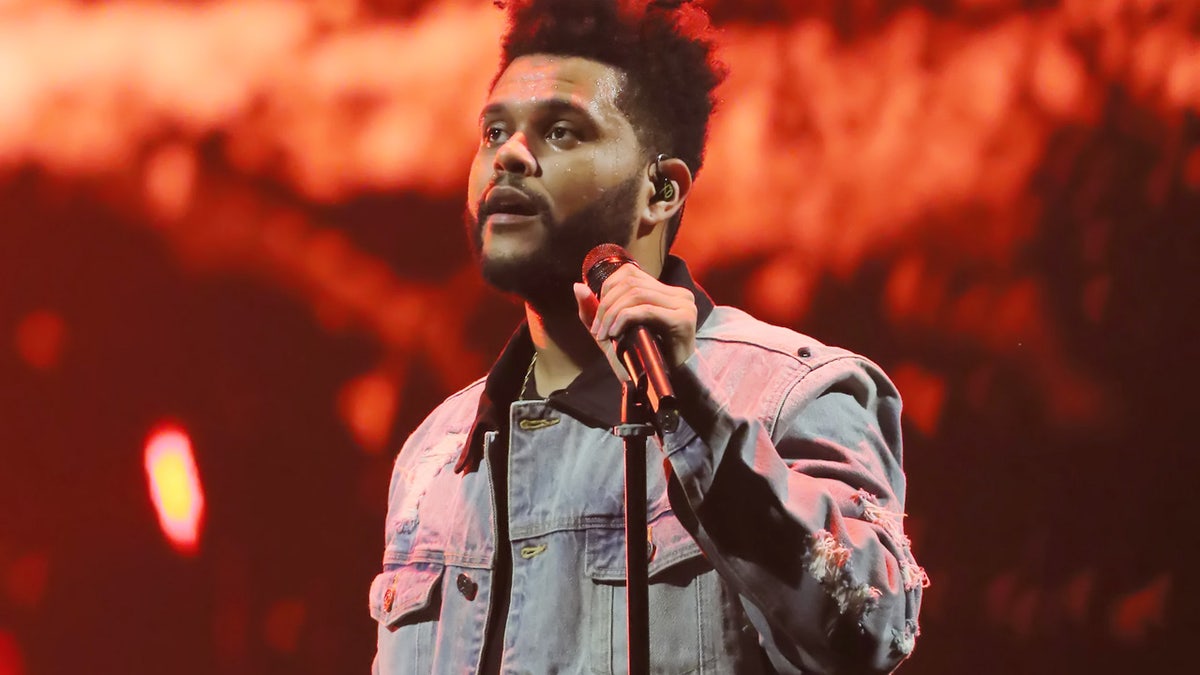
[552,106]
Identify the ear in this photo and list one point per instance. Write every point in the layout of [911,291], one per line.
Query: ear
[657,213]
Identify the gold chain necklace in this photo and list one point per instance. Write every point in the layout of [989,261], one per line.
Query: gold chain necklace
[528,375]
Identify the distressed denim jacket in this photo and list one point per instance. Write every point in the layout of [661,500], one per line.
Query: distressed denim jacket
[775,520]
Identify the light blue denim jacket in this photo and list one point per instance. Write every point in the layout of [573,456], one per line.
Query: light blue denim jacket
[780,548]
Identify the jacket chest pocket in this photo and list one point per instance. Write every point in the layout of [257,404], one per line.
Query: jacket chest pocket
[683,595]
[406,602]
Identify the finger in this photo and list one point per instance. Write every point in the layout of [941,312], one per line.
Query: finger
[640,297]
[624,275]
[667,320]
[633,295]
[587,303]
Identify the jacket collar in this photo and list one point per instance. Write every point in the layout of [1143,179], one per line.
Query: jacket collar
[593,397]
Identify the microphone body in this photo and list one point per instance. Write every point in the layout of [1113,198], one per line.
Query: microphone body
[639,349]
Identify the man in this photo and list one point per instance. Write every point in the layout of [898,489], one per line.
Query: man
[776,542]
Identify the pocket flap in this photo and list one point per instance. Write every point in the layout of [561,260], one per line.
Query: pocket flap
[670,545]
[401,592]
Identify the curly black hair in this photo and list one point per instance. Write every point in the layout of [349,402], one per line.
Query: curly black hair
[665,48]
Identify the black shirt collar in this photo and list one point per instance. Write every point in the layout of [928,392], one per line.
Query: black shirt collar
[593,397]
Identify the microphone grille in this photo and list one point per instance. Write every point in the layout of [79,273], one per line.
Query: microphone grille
[601,262]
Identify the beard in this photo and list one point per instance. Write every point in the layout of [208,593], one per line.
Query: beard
[543,277]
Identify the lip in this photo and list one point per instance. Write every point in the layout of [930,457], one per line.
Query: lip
[504,200]
[509,219]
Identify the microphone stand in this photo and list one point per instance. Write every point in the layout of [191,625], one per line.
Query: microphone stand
[648,405]
[635,427]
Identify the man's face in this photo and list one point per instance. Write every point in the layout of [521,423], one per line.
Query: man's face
[558,171]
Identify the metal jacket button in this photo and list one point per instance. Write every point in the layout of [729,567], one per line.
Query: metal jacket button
[467,586]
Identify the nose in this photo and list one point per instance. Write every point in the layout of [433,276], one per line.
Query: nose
[515,157]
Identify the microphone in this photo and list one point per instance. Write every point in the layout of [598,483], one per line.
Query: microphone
[638,348]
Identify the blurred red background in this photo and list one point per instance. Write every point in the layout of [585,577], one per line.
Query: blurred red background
[236,225]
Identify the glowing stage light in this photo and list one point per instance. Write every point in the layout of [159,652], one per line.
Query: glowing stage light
[175,487]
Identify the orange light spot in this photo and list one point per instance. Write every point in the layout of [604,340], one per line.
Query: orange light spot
[915,291]
[1058,79]
[368,406]
[170,181]
[924,394]
[901,293]
[40,338]
[175,487]
[781,291]
[1017,314]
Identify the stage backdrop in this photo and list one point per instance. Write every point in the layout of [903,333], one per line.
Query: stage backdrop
[233,277]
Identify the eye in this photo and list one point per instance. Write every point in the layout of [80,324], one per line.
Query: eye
[493,134]
[561,132]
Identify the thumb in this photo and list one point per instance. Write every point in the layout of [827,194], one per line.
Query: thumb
[587,304]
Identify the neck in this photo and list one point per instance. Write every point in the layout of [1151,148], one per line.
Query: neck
[564,346]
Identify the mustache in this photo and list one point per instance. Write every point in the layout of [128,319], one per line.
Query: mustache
[517,183]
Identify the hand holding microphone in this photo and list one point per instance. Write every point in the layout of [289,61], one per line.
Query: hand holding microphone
[636,309]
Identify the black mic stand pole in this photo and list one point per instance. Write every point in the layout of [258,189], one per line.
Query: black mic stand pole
[634,429]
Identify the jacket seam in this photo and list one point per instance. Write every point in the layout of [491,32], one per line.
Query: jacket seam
[749,343]
[811,369]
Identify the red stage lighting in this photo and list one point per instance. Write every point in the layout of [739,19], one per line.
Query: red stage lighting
[11,661]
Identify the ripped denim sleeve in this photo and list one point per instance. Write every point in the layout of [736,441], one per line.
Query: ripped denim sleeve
[805,517]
